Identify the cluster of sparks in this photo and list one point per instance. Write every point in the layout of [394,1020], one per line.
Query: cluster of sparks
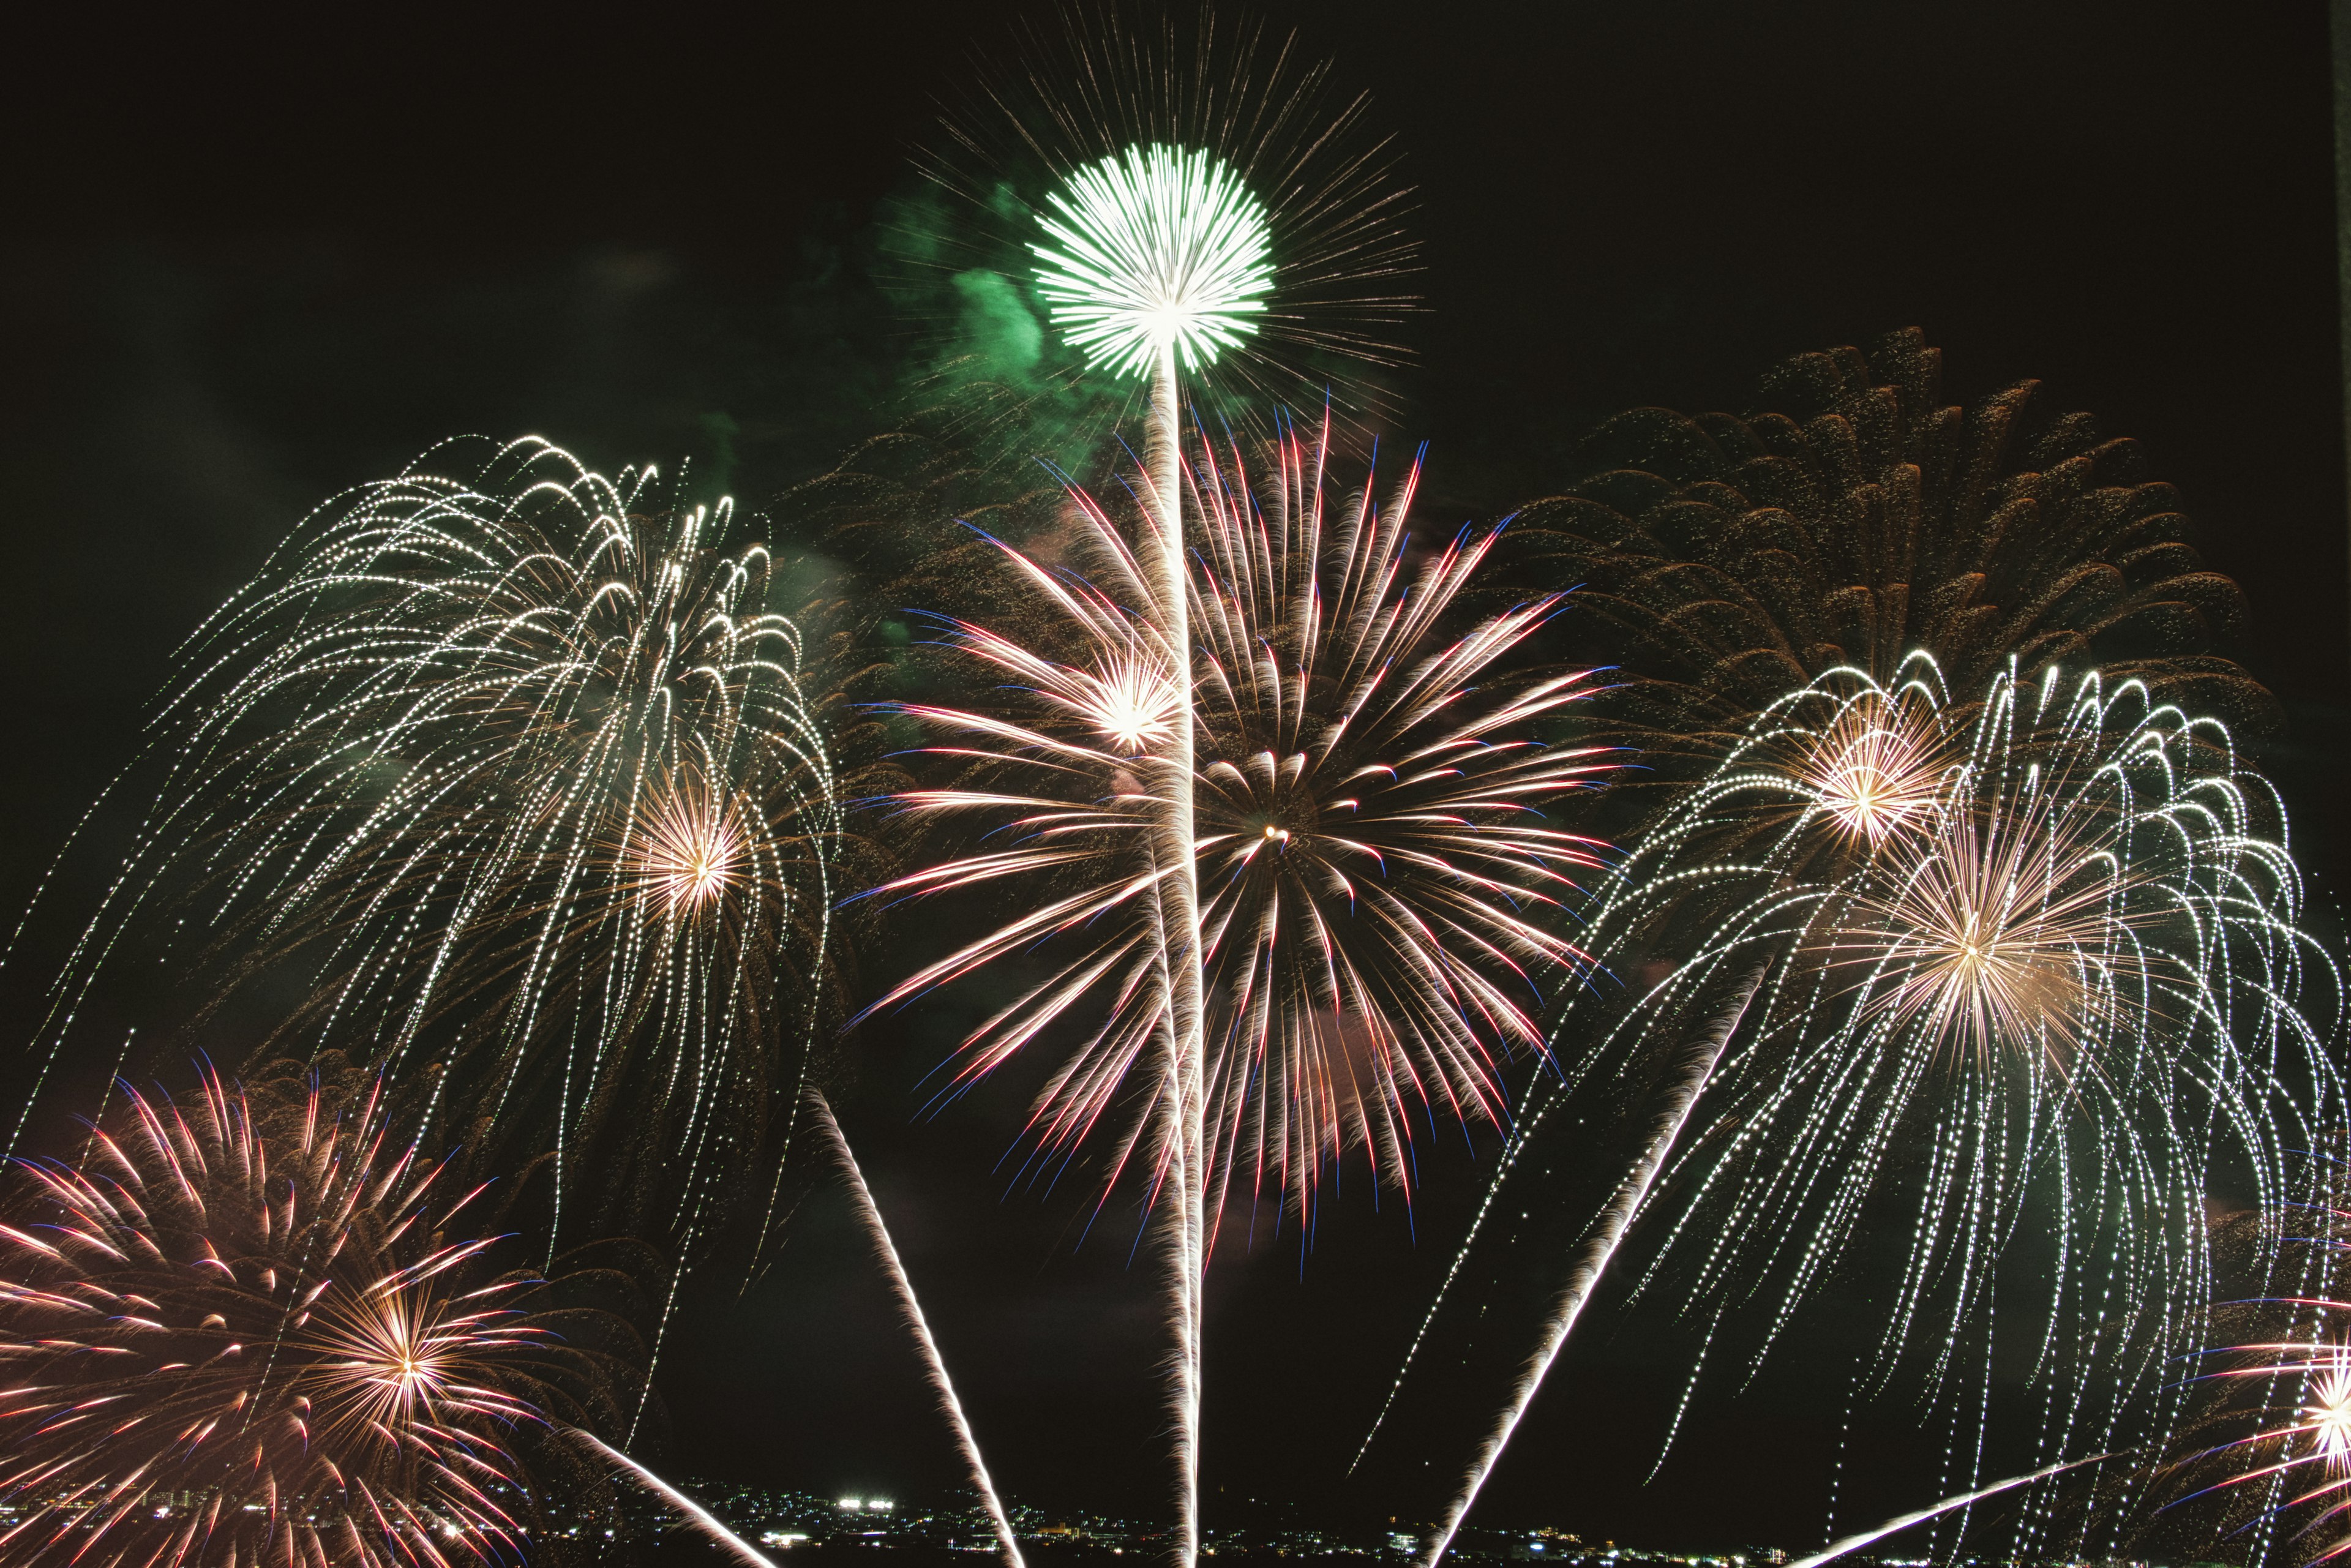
[2054,954]
[518,772]
[237,1333]
[1371,849]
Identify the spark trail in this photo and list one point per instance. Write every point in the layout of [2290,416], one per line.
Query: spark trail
[1703,1052]
[1837,1549]
[700,1518]
[934,1364]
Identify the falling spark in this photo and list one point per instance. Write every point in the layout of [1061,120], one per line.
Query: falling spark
[933,1362]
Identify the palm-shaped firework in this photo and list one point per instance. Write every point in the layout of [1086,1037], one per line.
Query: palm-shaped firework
[517,773]
[2045,986]
[244,1329]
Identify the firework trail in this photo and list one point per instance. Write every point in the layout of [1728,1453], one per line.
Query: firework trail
[1202,203]
[700,1518]
[1701,1056]
[1851,1543]
[2069,982]
[239,1334]
[516,776]
[933,1362]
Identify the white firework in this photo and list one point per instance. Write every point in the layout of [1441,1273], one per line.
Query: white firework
[1155,249]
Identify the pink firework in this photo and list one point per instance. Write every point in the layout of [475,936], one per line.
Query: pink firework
[1380,888]
[239,1333]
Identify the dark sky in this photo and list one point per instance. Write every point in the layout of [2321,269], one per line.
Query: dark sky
[246,265]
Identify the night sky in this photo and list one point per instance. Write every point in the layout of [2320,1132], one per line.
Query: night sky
[246,265]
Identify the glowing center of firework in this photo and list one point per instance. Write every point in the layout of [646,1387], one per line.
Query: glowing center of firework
[1864,800]
[2328,1416]
[1872,775]
[1152,249]
[1130,705]
[691,853]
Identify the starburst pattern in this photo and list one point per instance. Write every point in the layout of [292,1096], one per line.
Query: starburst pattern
[1375,864]
[1877,768]
[241,1333]
[691,850]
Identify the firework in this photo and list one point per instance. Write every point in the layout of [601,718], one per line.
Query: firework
[1862,519]
[1156,252]
[1178,203]
[933,1362]
[513,775]
[2287,1398]
[1367,788]
[240,1332]
[1210,186]
[2070,983]
[2304,1446]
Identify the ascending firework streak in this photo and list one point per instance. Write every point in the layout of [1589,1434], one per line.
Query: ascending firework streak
[1853,1543]
[700,1518]
[1702,1054]
[1369,831]
[1157,252]
[933,1362]
[515,774]
[2067,974]
[237,1335]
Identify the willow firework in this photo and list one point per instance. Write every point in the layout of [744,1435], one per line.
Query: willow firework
[240,1332]
[2067,979]
[1371,844]
[516,775]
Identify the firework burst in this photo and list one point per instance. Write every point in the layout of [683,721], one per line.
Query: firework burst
[1864,518]
[2280,1408]
[516,775]
[1374,856]
[1128,186]
[1154,248]
[240,1332]
[2069,983]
